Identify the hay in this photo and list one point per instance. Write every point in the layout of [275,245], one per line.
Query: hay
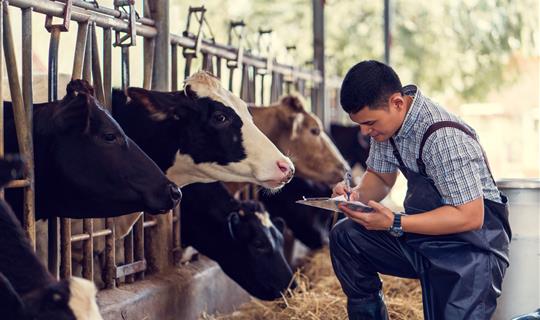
[319,297]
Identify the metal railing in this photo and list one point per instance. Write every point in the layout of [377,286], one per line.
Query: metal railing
[144,246]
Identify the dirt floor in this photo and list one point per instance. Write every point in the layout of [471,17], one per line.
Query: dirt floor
[319,297]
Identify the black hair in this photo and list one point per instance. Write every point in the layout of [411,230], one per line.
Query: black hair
[369,83]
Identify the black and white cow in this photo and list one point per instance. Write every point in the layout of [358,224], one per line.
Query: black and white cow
[351,143]
[27,290]
[201,134]
[85,165]
[239,236]
[309,225]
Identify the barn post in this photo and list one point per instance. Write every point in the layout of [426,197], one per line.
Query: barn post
[159,245]
[318,59]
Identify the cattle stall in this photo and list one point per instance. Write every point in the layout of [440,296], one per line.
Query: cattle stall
[153,244]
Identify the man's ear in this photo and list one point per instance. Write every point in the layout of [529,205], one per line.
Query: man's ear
[397,99]
[162,105]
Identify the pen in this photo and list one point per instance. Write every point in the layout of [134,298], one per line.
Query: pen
[347,178]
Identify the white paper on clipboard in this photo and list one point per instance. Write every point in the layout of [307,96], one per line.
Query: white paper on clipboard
[332,204]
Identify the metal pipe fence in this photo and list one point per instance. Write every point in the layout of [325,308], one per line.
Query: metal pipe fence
[143,247]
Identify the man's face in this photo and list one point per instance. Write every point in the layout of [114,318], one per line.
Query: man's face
[382,123]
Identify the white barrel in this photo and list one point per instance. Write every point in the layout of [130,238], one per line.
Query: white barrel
[521,285]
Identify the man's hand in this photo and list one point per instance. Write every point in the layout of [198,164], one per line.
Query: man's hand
[380,219]
[340,189]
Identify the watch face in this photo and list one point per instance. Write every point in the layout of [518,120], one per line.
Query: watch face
[396,232]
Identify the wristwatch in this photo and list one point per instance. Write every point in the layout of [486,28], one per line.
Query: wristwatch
[395,229]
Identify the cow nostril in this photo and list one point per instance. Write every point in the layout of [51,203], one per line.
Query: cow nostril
[283,166]
[176,194]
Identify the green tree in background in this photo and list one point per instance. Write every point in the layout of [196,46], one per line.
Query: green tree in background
[450,48]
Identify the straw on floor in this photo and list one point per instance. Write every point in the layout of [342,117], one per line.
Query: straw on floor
[319,297]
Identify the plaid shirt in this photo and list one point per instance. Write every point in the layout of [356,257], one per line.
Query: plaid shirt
[453,160]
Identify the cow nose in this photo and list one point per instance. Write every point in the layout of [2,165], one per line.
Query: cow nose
[283,166]
[176,194]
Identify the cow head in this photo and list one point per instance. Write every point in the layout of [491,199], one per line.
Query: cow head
[87,167]
[300,134]
[309,225]
[217,139]
[73,299]
[352,143]
[263,271]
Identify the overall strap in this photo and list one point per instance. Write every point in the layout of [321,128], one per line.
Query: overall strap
[402,166]
[447,124]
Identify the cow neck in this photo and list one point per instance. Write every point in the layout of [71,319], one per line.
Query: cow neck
[17,259]
[184,171]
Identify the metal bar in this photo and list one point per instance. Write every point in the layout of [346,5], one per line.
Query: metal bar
[18,184]
[387,32]
[87,64]
[230,53]
[65,248]
[125,68]
[138,244]
[160,12]
[177,245]
[218,67]
[174,67]
[29,195]
[53,222]
[108,11]
[88,250]
[188,60]
[128,255]
[85,236]
[110,263]
[262,89]
[20,117]
[149,224]
[80,46]
[82,15]
[129,269]
[107,67]
[318,59]
[96,66]
[148,48]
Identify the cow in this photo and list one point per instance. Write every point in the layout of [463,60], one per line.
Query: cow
[351,143]
[85,165]
[300,134]
[239,236]
[310,225]
[203,133]
[27,290]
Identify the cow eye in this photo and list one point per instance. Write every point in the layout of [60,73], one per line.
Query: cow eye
[220,120]
[315,131]
[109,137]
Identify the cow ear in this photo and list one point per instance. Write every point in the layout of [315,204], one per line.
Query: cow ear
[11,167]
[73,113]
[160,105]
[293,102]
[74,87]
[10,301]
[279,223]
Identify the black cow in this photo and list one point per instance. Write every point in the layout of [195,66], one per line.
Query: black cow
[85,166]
[353,145]
[239,236]
[309,225]
[27,290]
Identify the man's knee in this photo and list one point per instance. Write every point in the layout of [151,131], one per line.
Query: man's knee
[341,234]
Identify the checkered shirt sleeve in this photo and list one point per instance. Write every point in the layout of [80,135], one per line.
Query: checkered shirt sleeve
[454,160]
[378,159]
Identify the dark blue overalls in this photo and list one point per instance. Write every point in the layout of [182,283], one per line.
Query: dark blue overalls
[461,274]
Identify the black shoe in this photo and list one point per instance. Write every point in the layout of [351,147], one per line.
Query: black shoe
[369,308]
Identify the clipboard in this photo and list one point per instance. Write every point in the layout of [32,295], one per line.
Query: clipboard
[331,204]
